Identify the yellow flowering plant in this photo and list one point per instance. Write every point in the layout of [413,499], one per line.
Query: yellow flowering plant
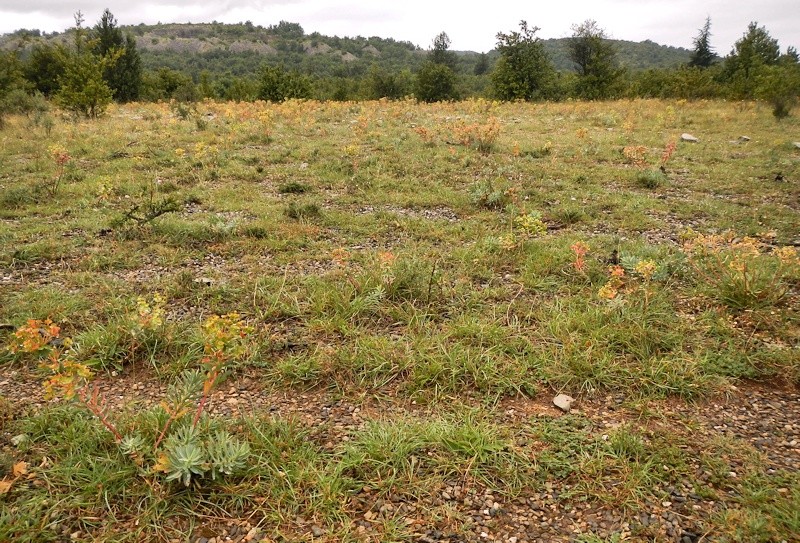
[741,272]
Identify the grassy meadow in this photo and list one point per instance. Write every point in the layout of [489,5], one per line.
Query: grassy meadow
[403,289]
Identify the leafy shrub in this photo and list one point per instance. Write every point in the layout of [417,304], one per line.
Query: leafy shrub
[435,83]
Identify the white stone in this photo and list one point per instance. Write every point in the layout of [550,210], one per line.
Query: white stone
[563,402]
[688,137]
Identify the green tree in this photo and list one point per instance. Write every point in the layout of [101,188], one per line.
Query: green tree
[124,76]
[746,62]
[779,85]
[83,89]
[482,66]
[435,83]
[275,84]
[524,70]
[45,67]
[11,81]
[168,84]
[790,57]
[384,84]
[441,54]
[11,75]
[595,60]
[703,55]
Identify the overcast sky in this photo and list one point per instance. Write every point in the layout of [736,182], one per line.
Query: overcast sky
[470,25]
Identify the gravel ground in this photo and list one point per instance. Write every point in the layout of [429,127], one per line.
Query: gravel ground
[766,417]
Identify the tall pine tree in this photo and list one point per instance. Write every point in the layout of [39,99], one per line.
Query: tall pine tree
[124,76]
[702,55]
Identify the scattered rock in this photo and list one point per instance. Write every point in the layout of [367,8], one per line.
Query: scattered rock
[688,137]
[744,138]
[563,402]
[316,531]
[796,144]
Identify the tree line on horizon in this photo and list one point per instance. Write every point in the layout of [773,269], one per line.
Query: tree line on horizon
[103,64]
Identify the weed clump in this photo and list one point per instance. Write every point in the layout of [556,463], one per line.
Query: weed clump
[187,445]
[485,195]
[650,179]
[293,187]
[739,272]
[302,211]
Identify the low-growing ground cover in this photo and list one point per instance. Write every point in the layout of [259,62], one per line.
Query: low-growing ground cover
[346,322]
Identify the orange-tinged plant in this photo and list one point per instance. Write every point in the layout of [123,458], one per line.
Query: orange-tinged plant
[580,249]
[35,336]
[68,377]
[149,314]
[426,134]
[61,158]
[615,282]
[646,268]
[667,154]
[482,136]
[741,271]
[340,256]
[386,262]
[635,154]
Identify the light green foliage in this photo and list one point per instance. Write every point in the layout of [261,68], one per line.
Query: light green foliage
[778,85]
[751,55]
[485,194]
[83,89]
[524,71]
[189,456]
[650,178]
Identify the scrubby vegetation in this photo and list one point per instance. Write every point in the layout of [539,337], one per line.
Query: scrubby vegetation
[191,62]
[348,319]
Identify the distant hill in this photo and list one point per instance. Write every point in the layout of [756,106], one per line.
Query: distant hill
[239,49]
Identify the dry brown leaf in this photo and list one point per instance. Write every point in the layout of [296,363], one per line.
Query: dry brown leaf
[20,469]
[5,486]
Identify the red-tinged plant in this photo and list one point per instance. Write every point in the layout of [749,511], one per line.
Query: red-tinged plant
[61,158]
[580,249]
[667,154]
